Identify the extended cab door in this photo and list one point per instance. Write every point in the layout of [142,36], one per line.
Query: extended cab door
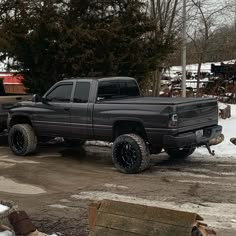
[81,122]
[53,115]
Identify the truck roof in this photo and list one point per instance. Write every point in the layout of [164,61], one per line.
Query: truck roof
[100,78]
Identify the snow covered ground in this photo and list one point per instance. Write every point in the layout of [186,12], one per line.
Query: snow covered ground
[226,149]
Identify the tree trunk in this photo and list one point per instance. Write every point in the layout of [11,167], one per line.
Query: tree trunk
[156,83]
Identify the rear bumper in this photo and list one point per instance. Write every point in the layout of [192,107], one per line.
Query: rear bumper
[196,138]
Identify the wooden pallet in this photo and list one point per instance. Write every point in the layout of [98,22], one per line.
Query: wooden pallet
[112,218]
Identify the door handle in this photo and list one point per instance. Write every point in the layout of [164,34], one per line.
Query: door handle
[66,109]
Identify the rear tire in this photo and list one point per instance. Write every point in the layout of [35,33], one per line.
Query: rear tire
[22,139]
[130,154]
[180,153]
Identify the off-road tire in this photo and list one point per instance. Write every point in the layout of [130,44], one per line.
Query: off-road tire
[177,153]
[29,139]
[137,148]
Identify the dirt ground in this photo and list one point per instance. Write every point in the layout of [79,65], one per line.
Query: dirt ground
[55,186]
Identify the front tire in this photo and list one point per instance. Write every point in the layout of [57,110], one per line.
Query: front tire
[180,153]
[22,139]
[130,154]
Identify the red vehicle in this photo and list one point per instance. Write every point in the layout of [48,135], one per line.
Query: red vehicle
[12,91]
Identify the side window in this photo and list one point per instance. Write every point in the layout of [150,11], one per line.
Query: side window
[108,90]
[62,93]
[82,92]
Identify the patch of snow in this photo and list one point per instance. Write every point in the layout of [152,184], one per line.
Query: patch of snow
[115,186]
[59,206]
[217,215]
[98,143]
[65,200]
[7,159]
[222,106]
[3,208]
[6,233]
[10,186]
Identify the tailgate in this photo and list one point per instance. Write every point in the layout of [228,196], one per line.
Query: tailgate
[198,114]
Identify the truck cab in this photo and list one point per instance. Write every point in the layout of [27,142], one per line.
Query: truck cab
[67,109]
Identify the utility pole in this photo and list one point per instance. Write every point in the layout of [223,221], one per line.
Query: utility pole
[184,49]
[235,15]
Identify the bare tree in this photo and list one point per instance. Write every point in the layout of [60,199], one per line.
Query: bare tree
[205,17]
[165,14]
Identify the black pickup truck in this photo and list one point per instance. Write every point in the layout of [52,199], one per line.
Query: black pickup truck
[111,109]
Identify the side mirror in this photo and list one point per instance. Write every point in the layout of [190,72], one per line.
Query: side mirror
[36,98]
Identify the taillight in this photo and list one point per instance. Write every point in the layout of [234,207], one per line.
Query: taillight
[173,121]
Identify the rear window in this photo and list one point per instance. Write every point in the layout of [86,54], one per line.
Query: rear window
[118,89]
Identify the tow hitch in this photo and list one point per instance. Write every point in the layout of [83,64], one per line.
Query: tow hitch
[215,141]
[212,152]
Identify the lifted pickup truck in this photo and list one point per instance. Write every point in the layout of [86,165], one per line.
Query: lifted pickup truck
[111,109]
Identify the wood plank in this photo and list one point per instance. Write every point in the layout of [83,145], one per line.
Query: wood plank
[140,226]
[166,216]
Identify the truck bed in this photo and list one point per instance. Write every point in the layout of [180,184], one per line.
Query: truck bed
[192,112]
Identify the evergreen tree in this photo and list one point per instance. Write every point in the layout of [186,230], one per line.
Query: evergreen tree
[53,39]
